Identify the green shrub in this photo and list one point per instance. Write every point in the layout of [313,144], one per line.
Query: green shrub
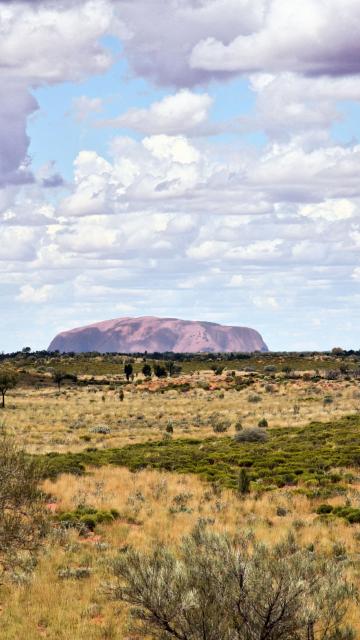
[87,517]
[251,435]
[324,509]
[308,454]
[217,587]
[219,423]
[244,482]
[88,521]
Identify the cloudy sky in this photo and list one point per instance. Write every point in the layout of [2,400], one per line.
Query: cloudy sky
[189,158]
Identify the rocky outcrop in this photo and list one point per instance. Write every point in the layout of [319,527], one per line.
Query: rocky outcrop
[132,335]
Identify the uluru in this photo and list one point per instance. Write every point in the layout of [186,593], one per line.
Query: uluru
[137,335]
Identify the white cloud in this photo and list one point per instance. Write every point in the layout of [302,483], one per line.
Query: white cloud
[144,223]
[175,148]
[18,244]
[314,38]
[64,45]
[265,302]
[330,210]
[183,112]
[208,250]
[29,294]
[236,280]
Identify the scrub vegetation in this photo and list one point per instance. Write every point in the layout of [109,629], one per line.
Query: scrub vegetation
[224,489]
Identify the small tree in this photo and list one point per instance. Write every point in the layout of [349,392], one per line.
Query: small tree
[172,368]
[244,482]
[146,370]
[8,380]
[128,370]
[58,377]
[23,518]
[160,371]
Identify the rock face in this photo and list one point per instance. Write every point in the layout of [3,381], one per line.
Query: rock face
[132,335]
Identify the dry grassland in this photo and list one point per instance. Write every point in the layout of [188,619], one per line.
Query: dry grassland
[153,506]
[47,420]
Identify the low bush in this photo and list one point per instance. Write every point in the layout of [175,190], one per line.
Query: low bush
[350,514]
[254,397]
[86,517]
[218,587]
[251,435]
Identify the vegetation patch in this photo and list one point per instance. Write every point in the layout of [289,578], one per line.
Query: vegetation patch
[349,513]
[290,456]
[86,517]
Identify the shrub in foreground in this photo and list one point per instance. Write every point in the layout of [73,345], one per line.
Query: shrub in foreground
[218,587]
[23,519]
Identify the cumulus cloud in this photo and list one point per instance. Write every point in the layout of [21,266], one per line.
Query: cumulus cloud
[157,168]
[33,295]
[265,302]
[18,244]
[330,210]
[292,106]
[32,57]
[183,112]
[317,37]
[166,220]
[160,48]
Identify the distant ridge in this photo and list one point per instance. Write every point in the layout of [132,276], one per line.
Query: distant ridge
[132,335]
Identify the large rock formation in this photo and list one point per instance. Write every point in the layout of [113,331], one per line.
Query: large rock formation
[131,335]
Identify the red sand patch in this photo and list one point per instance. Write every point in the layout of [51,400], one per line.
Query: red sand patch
[52,506]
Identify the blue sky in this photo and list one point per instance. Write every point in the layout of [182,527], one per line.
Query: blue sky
[203,167]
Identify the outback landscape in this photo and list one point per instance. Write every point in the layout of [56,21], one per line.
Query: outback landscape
[143,450]
[179,249]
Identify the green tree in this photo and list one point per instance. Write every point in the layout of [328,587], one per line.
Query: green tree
[58,377]
[244,482]
[146,370]
[128,370]
[160,371]
[8,380]
[26,350]
[172,368]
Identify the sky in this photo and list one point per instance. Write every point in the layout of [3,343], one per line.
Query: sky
[197,159]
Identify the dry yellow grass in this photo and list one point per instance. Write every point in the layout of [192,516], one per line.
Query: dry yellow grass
[73,610]
[45,420]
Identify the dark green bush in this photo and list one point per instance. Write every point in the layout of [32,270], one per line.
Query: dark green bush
[87,517]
